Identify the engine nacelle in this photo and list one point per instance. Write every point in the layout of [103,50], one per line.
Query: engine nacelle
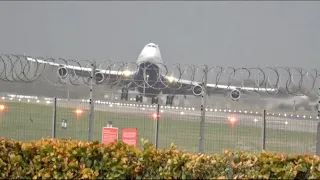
[197,90]
[235,94]
[99,77]
[62,72]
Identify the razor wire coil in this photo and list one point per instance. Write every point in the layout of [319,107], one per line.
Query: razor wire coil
[286,80]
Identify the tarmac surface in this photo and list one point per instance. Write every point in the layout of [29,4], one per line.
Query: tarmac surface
[282,121]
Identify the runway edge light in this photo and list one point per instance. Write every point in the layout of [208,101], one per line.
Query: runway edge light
[232,119]
[155,115]
[2,107]
[78,111]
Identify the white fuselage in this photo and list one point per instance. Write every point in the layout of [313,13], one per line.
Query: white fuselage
[150,68]
[151,54]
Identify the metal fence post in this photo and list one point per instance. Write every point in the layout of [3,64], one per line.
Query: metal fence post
[91,111]
[230,167]
[54,119]
[264,130]
[318,139]
[318,132]
[156,140]
[203,110]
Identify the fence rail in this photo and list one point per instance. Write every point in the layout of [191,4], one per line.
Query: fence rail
[251,130]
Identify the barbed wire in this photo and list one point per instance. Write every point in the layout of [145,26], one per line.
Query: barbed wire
[159,76]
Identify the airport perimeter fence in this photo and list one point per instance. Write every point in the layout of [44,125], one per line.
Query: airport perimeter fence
[288,132]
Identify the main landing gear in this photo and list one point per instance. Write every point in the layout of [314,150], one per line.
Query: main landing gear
[169,100]
[139,98]
[154,100]
[124,94]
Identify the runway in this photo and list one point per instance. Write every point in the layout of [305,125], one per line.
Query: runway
[279,121]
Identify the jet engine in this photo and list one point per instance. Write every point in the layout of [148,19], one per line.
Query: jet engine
[197,90]
[235,94]
[62,72]
[99,77]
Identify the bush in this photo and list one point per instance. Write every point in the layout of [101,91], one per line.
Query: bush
[69,159]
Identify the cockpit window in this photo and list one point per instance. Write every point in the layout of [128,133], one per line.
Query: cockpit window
[152,46]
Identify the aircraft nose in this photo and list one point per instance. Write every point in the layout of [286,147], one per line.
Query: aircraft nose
[305,97]
[149,55]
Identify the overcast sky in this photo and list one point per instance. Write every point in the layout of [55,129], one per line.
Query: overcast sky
[225,33]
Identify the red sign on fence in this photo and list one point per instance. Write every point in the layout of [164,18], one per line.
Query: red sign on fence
[109,134]
[129,136]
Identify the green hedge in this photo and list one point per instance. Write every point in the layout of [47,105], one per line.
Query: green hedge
[68,159]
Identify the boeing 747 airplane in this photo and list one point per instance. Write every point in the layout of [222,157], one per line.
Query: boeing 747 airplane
[148,80]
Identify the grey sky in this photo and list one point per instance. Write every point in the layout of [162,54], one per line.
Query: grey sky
[217,33]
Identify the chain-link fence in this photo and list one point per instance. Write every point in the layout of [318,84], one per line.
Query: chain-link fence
[251,130]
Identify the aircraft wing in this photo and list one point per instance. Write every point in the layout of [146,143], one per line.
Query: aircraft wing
[111,77]
[172,85]
[188,87]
